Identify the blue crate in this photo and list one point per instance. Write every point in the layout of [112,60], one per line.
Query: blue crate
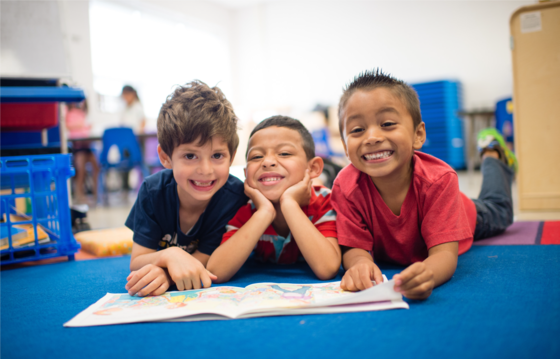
[439,103]
[35,189]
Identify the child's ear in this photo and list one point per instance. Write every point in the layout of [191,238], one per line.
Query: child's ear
[164,158]
[315,166]
[419,136]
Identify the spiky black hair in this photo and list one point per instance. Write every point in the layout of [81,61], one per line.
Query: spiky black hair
[372,79]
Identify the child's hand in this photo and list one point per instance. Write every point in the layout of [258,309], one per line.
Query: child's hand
[300,192]
[149,280]
[415,282]
[186,271]
[360,275]
[259,200]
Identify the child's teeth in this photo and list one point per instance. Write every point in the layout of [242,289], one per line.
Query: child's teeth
[378,155]
[271,179]
[202,184]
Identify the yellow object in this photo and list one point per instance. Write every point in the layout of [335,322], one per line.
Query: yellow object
[106,242]
[42,236]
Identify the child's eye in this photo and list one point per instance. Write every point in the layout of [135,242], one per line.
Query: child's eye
[256,157]
[284,154]
[218,156]
[190,156]
[356,130]
[388,124]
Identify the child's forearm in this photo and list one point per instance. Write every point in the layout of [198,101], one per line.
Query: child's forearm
[143,256]
[352,256]
[322,254]
[228,258]
[442,260]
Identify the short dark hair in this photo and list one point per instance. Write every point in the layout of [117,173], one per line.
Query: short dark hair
[194,112]
[293,124]
[132,90]
[369,80]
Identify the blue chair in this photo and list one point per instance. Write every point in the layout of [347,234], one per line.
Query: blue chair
[130,155]
[323,148]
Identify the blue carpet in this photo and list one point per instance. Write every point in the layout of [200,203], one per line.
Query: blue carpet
[503,302]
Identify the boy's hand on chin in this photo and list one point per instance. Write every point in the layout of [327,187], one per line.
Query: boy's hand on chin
[415,282]
[259,200]
[360,276]
[299,192]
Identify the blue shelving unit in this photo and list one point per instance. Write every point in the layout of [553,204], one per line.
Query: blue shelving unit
[439,103]
[39,182]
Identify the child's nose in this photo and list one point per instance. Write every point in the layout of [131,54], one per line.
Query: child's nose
[269,161]
[374,135]
[205,167]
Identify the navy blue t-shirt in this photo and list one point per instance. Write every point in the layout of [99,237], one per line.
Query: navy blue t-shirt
[154,218]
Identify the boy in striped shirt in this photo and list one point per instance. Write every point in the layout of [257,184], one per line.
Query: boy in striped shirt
[287,218]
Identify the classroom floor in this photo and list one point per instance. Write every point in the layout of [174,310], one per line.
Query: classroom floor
[115,214]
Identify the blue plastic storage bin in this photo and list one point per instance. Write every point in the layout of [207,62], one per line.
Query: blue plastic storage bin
[35,195]
[439,103]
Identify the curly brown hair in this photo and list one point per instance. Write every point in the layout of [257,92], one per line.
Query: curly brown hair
[196,112]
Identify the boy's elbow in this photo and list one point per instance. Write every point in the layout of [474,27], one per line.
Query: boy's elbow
[327,273]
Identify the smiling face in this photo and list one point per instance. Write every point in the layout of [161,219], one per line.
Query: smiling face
[378,133]
[200,171]
[276,161]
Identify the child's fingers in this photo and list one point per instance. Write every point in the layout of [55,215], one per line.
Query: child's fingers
[180,285]
[205,278]
[348,283]
[161,289]
[144,281]
[408,273]
[133,278]
[423,277]
[420,292]
[377,275]
[149,288]
[364,280]
[211,275]
[130,275]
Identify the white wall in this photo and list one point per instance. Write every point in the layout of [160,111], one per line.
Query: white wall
[298,53]
[74,15]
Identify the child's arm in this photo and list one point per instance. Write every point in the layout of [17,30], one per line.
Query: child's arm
[419,279]
[322,254]
[360,270]
[230,256]
[185,270]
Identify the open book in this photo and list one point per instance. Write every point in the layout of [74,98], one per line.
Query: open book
[255,300]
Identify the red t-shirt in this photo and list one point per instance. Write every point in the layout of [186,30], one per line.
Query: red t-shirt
[433,212]
[272,247]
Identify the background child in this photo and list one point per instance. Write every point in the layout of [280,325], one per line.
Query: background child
[402,206]
[181,212]
[287,217]
[78,127]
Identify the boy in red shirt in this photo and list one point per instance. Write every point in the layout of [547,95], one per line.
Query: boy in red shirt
[397,205]
[287,218]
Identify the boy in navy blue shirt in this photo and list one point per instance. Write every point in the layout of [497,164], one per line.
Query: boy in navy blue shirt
[181,212]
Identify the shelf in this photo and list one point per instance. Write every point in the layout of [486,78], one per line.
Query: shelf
[40,94]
